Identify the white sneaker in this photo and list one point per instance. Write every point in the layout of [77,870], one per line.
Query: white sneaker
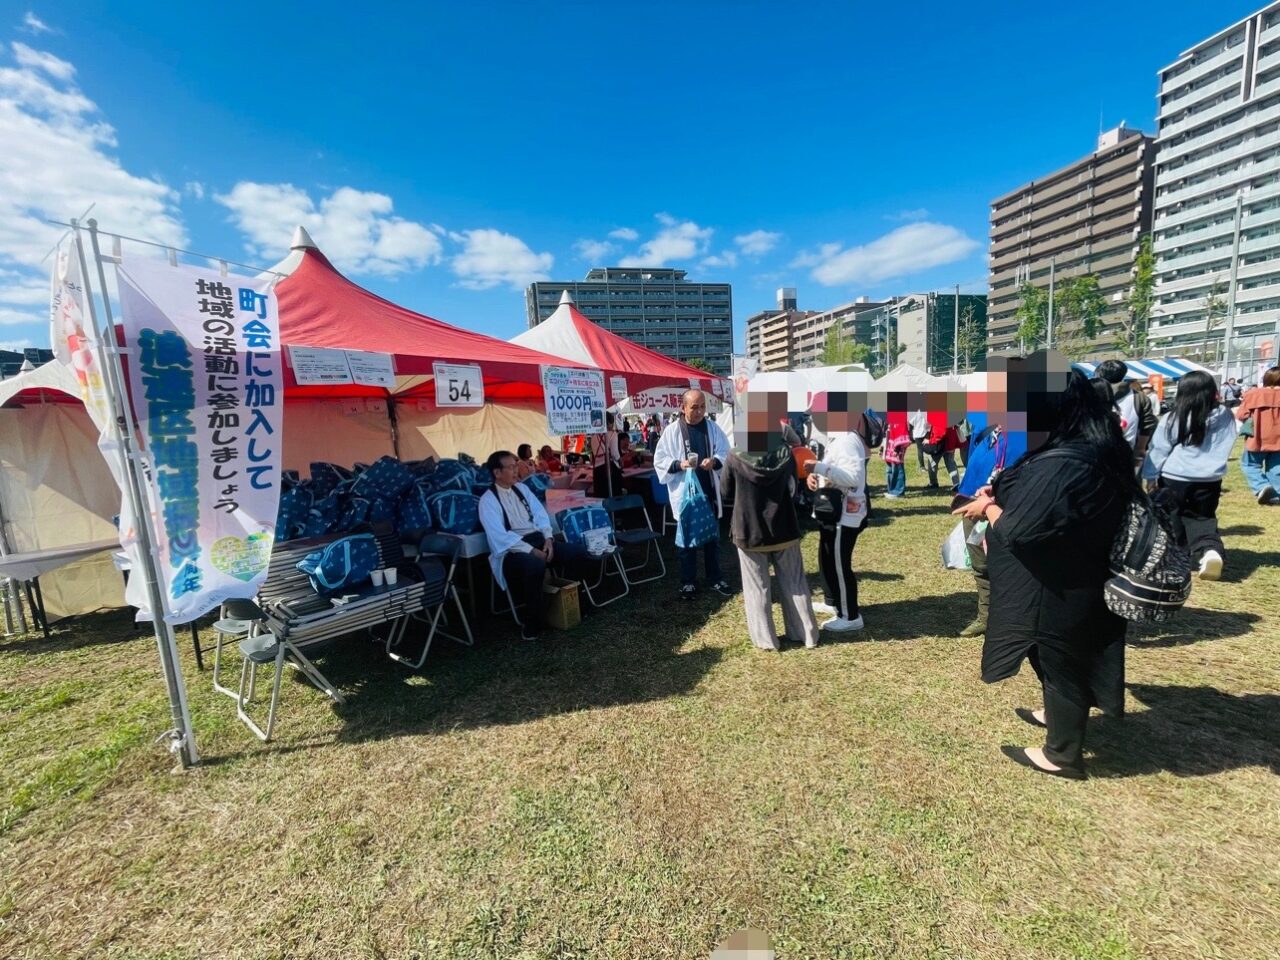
[825,608]
[1211,565]
[840,625]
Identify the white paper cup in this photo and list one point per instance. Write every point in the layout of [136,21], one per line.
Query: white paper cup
[375,577]
[391,573]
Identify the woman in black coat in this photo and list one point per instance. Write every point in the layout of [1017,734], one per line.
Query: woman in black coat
[1052,519]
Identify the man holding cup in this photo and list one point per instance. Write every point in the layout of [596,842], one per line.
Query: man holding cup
[521,545]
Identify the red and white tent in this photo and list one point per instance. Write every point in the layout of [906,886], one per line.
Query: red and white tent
[567,333]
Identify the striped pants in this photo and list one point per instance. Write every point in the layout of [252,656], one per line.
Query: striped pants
[835,561]
[757,597]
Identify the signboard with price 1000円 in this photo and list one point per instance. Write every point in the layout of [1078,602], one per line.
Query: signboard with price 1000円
[459,385]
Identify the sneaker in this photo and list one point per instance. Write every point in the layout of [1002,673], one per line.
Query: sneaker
[688,591]
[1266,494]
[722,587]
[1211,564]
[841,625]
[975,629]
[825,609]
[527,634]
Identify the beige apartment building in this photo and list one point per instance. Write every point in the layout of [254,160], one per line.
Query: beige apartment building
[790,339]
[1085,218]
[769,332]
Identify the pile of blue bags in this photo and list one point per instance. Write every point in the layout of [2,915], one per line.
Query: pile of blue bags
[417,497]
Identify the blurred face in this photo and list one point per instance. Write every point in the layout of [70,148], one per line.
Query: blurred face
[695,406]
[765,414]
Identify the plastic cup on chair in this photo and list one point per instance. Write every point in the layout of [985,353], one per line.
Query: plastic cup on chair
[390,574]
[375,577]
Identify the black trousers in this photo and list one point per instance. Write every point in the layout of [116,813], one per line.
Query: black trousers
[1071,686]
[1195,520]
[835,562]
[524,573]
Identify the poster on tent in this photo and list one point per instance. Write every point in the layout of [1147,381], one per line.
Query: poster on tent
[575,400]
[659,400]
[206,385]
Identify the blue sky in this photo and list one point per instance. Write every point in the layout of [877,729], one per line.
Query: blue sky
[444,156]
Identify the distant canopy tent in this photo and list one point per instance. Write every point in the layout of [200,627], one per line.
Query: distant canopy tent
[567,333]
[1171,368]
[319,307]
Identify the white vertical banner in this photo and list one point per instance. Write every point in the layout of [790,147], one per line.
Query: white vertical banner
[205,380]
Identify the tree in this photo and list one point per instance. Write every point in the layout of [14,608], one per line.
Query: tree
[1215,311]
[837,351]
[971,339]
[1077,313]
[699,364]
[1032,315]
[1131,335]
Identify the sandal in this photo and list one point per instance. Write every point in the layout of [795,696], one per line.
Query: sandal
[1019,756]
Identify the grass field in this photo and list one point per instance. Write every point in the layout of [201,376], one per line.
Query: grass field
[649,783]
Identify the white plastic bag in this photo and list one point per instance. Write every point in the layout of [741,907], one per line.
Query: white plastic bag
[955,552]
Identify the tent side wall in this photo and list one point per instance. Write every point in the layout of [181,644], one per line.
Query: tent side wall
[427,431]
[56,491]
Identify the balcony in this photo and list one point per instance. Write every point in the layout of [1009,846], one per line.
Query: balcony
[1255,115]
[1128,162]
[1222,85]
[1207,66]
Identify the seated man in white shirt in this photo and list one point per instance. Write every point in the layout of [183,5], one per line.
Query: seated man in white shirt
[521,546]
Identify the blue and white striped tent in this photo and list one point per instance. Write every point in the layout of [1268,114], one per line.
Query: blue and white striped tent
[1171,368]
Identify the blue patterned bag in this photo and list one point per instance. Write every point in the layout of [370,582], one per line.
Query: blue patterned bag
[342,564]
[321,517]
[386,479]
[455,511]
[696,523]
[327,477]
[293,512]
[414,516]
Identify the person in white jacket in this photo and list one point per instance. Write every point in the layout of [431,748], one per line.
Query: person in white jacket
[691,441]
[839,482]
[1188,459]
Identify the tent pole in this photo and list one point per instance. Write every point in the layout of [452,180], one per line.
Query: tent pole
[395,426]
[183,738]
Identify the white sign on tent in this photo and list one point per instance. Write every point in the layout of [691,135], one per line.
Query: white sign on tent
[575,400]
[618,388]
[458,384]
[208,395]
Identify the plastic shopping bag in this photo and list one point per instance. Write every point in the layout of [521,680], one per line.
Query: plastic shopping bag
[955,552]
[696,522]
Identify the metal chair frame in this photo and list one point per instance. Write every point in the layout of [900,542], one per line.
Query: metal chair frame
[648,536]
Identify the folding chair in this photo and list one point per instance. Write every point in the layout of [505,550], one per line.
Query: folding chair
[437,562]
[624,538]
[574,524]
[662,497]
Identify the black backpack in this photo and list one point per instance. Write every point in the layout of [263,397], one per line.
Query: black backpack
[873,431]
[1150,571]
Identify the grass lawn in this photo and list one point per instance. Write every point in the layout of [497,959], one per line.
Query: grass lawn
[650,783]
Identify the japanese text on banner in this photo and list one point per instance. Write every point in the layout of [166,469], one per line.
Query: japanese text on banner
[207,392]
[575,400]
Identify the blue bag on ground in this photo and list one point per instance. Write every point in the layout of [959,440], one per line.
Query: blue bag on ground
[293,512]
[414,515]
[455,512]
[342,564]
[385,479]
[696,523]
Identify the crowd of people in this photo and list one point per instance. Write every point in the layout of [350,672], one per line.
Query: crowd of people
[1045,486]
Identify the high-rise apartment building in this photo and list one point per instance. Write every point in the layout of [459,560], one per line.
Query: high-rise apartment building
[1088,217]
[654,307]
[769,332]
[789,338]
[1219,142]
[809,335]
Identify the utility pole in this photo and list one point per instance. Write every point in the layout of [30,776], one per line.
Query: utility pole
[955,337]
[1053,262]
[1229,332]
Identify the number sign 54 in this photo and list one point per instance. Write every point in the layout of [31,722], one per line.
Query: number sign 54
[459,385]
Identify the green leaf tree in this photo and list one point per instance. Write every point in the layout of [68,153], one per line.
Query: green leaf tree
[1215,312]
[1077,315]
[1131,334]
[1032,316]
[970,340]
[699,364]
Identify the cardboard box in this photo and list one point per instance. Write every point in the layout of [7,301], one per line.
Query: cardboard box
[561,597]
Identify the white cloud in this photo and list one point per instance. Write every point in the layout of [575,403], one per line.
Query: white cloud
[55,162]
[33,24]
[677,240]
[194,188]
[10,317]
[726,258]
[594,250]
[757,243]
[908,249]
[625,233]
[491,257]
[356,229]
[919,213]
[16,345]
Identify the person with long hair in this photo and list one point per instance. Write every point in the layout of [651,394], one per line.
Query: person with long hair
[1052,518]
[1188,459]
[1261,459]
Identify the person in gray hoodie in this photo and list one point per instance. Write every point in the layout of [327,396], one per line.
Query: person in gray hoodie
[1187,460]
[761,479]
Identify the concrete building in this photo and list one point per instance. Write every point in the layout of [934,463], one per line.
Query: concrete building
[769,332]
[1218,140]
[809,335]
[927,323]
[654,307]
[1088,217]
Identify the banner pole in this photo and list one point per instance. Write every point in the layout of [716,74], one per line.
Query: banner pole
[183,737]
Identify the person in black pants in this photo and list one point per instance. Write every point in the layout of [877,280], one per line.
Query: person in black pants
[521,545]
[1053,517]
